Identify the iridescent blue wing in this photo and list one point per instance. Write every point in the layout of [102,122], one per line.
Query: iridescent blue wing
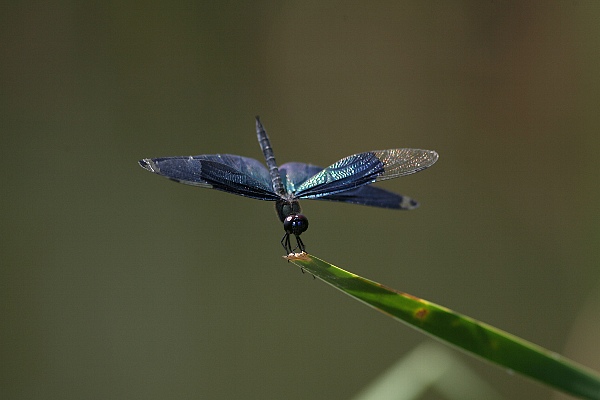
[295,174]
[361,169]
[226,172]
[373,196]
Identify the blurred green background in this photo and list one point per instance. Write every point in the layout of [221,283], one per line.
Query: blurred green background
[117,284]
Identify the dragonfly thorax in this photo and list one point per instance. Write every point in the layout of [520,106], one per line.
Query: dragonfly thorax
[285,208]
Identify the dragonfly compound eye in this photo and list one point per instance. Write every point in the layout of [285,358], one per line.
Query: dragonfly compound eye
[295,224]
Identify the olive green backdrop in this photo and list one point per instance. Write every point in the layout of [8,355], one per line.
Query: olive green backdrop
[117,284]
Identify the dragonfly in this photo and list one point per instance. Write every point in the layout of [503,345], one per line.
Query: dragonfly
[347,180]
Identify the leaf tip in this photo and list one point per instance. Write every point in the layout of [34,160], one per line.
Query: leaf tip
[297,256]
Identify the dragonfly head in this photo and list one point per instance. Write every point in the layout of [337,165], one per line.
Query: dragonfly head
[295,224]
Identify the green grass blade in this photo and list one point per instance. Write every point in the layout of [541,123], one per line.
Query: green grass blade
[475,337]
[428,366]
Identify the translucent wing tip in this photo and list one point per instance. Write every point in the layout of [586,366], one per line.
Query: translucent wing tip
[402,162]
[433,155]
[408,204]
[422,158]
[148,164]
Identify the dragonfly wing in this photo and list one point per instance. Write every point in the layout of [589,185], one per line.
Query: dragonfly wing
[401,162]
[364,168]
[373,196]
[294,174]
[226,172]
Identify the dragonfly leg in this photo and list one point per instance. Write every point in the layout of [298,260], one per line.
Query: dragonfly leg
[285,242]
[300,245]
